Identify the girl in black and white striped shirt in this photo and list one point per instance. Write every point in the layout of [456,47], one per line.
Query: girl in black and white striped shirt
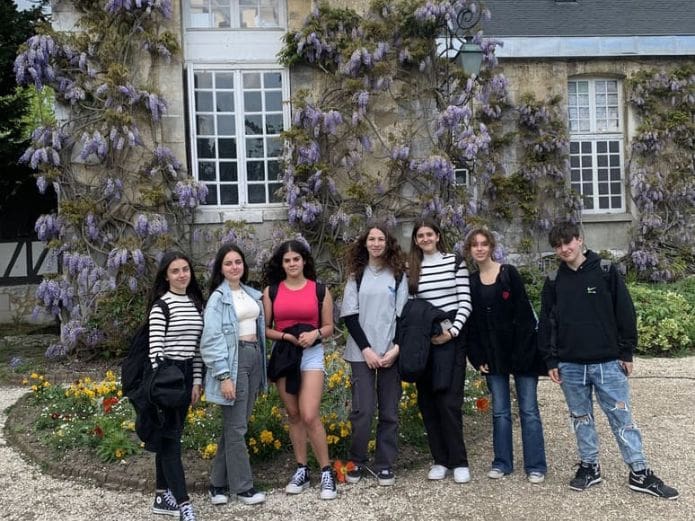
[175,341]
[437,277]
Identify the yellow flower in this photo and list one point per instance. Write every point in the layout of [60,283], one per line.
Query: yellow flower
[25,382]
[344,432]
[34,376]
[209,451]
[46,384]
[255,450]
[119,453]
[371,445]
[34,388]
[277,444]
[110,376]
[252,442]
[128,425]
[266,437]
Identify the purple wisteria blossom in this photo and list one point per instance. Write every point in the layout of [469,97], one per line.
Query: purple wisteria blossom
[70,333]
[164,162]
[46,142]
[152,225]
[90,223]
[117,257]
[190,194]
[33,66]
[164,7]
[55,295]
[339,218]
[308,154]
[155,104]
[49,226]
[400,152]
[437,166]
[112,188]
[452,118]
[93,144]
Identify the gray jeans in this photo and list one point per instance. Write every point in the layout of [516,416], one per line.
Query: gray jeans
[369,388]
[231,467]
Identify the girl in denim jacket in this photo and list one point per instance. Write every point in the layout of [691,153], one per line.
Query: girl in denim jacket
[233,349]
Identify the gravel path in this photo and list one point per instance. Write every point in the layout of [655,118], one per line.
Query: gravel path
[664,394]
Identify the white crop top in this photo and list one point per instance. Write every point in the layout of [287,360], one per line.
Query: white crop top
[247,312]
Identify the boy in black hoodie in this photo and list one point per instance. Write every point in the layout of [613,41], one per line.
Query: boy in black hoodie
[588,333]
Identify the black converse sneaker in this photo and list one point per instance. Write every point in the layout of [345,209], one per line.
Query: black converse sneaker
[300,481]
[588,474]
[328,488]
[647,482]
[187,513]
[355,475]
[165,504]
[385,477]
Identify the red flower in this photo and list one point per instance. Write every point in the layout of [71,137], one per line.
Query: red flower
[98,432]
[482,404]
[109,403]
[341,469]
[505,295]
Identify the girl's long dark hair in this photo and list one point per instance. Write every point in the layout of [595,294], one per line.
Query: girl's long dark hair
[217,277]
[274,273]
[357,256]
[485,232]
[161,285]
[415,255]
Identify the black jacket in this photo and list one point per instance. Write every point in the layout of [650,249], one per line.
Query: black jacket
[286,359]
[503,336]
[587,317]
[419,321]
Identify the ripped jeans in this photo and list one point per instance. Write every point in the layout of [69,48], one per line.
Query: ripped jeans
[613,394]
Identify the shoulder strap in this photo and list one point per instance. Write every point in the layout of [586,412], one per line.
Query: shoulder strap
[505,277]
[273,292]
[458,259]
[320,295]
[358,281]
[161,304]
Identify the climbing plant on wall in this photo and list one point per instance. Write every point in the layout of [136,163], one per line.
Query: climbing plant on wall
[662,173]
[123,195]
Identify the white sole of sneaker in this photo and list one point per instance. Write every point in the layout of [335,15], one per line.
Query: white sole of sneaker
[219,500]
[170,513]
[255,500]
[328,495]
[590,484]
[352,481]
[386,482]
[294,489]
[647,491]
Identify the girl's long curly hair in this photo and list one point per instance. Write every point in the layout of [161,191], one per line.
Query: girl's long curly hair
[415,255]
[274,273]
[161,285]
[357,255]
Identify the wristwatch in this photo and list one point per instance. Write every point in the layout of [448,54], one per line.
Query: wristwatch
[223,376]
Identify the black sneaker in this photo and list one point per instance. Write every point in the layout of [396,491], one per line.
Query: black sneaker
[328,488]
[646,481]
[218,495]
[355,475]
[588,474]
[386,477]
[300,481]
[165,504]
[187,513]
[251,497]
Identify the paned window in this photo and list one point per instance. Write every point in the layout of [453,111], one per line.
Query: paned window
[596,144]
[234,14]
[237,118]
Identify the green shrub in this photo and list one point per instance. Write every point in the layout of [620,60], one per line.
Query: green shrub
[664,320]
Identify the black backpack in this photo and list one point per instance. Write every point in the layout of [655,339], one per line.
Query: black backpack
[134,365]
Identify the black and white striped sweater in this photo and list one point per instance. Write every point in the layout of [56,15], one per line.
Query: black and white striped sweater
[446,286]
[181,340]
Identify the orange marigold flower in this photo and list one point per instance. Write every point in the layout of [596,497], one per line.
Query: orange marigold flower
[482,404]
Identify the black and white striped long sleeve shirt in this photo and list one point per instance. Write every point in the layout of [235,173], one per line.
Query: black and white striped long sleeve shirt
[446,286]
[181,339]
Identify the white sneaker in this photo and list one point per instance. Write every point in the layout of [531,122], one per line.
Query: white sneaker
[437,472]
[328,488]
[462,475]
[251,497]
[536,477]
[299,482]
[495,474]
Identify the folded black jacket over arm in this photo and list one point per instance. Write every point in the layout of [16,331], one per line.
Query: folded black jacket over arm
[286,358]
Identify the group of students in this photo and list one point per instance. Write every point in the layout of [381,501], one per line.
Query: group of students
[584,341]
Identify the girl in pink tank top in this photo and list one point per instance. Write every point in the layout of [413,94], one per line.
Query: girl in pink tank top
[293,317]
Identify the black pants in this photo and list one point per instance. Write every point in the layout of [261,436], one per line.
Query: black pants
[443,416]
[168,465]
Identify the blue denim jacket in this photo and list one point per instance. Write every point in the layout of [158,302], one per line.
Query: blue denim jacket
[219,344]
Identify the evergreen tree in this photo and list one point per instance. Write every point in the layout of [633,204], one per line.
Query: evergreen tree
[20,203]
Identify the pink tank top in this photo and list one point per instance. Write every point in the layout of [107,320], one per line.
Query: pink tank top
[296,306]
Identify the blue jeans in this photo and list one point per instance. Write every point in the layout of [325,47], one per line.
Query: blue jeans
[531,426]
[610,385]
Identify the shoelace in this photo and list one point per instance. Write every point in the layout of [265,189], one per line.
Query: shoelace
[299,476]
[187,513]
[327,480]
[169,499]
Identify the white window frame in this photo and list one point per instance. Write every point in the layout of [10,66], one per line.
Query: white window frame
[593,135]
[234,17]
[241,158]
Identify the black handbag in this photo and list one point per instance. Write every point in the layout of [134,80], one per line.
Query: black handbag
[167,386]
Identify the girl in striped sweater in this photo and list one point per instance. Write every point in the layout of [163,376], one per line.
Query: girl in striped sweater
[175,341]
[442,280]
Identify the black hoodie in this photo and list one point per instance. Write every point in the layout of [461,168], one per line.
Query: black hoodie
[586,316]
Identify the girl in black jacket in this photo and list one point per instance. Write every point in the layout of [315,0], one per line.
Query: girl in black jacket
[503,342]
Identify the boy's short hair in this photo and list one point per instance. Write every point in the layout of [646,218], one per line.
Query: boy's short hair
[562,233]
